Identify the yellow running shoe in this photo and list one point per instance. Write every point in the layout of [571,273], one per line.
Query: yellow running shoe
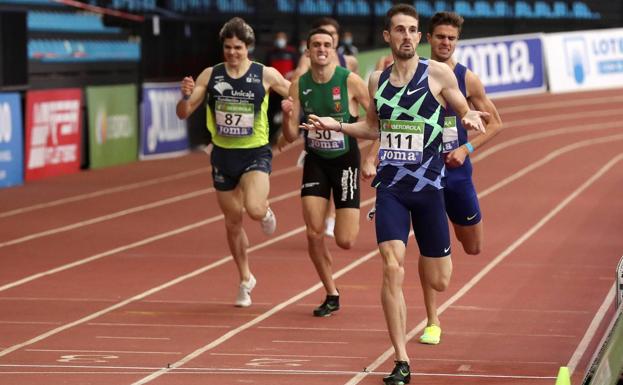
[431,335]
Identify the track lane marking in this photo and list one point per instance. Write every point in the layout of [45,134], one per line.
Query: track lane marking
[497,260]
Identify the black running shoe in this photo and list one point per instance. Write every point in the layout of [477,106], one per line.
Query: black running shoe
[401,374]
[330,304]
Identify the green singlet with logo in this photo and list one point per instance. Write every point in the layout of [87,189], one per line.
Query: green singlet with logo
[327,99]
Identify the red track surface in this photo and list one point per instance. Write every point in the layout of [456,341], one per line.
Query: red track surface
[123,276]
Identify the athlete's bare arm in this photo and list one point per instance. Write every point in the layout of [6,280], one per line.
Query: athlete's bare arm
[352,63]
[443,83]
[195,90]
[291,107]
[357,92]
[365,129]
[480,101]
[273,80]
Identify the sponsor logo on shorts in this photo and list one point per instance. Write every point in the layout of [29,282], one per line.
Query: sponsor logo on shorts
[310,184]
[472,217]
[446,249]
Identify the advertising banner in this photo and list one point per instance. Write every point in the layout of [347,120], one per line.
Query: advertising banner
[162,133]
[113,125]
[586,60]
[53,132]
[506,65]
[11,154]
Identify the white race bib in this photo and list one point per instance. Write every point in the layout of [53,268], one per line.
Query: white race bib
[325,140]
[401,141]
[234,119]
[450,134]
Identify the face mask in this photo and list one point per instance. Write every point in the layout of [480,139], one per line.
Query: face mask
[280,43]
[302,48]
[348,41]
[251,49]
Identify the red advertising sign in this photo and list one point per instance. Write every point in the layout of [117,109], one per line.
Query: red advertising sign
[53,132]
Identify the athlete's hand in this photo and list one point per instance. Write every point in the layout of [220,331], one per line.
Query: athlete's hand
[187,86]
[473,120]
[368,169]
[456,157]
[286,105]
[321,123]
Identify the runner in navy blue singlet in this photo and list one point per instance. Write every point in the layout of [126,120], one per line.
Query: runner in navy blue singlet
[410,99]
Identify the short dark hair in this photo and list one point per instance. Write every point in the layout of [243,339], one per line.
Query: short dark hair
[445,18]
[237,27]
[317,31]
[405,9]
[326,21]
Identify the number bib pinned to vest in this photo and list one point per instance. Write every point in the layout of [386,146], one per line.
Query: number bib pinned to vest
[234,119]
[325,140]
[401,141]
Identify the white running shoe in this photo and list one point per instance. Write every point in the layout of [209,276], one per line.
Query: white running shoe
[244,292]
[329,227]
[269,222]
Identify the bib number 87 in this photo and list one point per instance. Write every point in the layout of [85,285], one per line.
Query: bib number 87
[230,118]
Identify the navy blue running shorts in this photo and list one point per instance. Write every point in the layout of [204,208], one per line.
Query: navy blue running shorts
[228,165]
[425,210]
[461,198]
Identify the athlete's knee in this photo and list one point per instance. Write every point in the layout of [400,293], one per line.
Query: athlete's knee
[314,233]
[440,284]
[257,211]
[473,248]
[344,242]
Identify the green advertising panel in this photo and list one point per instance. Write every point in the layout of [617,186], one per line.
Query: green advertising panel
[113,125]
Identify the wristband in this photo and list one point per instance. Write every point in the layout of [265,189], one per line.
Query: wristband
[469,147]
[341,128]
[185,97]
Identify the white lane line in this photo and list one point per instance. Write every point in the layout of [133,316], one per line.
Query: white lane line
[287,356]
[592,329]
[107,191]
[98,351]
[129,246]
[127,187]
[292,372]
[546,159]
[480,155]
[133,338]
[147,293]
[121,213]
[141,325]
[234,332]
[310,342]
[558,104]
[497,260]
[323,329]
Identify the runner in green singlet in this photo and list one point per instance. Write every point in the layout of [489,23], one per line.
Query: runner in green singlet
[332,160]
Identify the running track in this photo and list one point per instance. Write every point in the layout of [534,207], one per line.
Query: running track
[123,276]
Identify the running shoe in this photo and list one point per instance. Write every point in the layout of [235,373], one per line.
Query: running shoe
[330,304]
[269,222]
[329,227]
[244,292]
[431,335]
[401,374]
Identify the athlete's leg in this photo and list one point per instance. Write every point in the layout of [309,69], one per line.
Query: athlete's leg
[346,227]
[470,236]
[392,298]
[314,208]
[255,188]
[230,203]
[435,276]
